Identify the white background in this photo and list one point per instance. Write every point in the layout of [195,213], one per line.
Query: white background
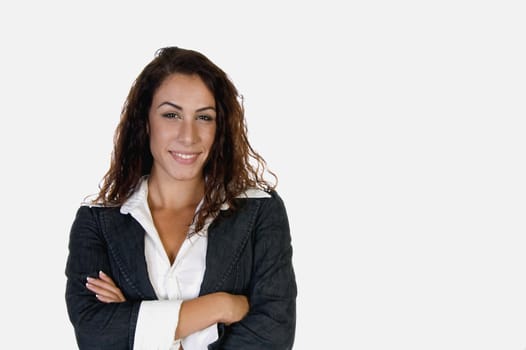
[397,129]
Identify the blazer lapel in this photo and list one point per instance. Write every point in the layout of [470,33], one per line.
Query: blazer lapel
[125,237]
[227,237]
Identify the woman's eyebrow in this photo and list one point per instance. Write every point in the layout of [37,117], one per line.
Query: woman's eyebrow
[170,104]
[181,108]
[205,108]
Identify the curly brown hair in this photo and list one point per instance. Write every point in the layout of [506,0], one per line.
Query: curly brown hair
[228,171]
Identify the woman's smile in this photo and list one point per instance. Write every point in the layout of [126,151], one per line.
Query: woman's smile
[184,157]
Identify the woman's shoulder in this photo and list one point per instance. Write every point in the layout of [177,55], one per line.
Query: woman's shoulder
[255,193]
[89,207]
[268,200]
[93,202]
[258,194]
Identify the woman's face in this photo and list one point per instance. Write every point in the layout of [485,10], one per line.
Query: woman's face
[182,126]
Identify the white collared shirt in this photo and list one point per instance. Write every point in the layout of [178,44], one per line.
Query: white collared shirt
[172,283]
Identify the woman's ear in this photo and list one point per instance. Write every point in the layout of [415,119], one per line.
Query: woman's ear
[147,128]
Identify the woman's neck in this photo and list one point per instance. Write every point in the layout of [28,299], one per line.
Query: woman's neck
[174,194]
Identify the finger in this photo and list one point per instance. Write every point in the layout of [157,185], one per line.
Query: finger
[104,288]
[102,291]
[108,298]
[104,285]
[105,299]
[106,278]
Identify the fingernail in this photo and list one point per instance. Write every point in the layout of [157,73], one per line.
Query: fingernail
[89,279]
[101,273]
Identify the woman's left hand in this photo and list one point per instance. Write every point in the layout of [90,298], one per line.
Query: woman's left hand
[105,289]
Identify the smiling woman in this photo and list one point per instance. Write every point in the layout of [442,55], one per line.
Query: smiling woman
[186,245]
[182,127]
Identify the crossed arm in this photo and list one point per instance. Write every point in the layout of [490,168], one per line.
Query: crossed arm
[194,315]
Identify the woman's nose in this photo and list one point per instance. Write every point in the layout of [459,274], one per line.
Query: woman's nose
[188,132]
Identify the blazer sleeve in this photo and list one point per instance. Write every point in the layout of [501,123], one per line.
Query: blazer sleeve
[97,325]
[271,321]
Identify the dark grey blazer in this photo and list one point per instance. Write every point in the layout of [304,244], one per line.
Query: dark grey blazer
[249,252]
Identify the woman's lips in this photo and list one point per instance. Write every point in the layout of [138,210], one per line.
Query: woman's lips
[184,157]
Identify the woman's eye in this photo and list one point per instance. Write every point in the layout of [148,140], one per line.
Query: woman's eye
[170,115]
[205,117]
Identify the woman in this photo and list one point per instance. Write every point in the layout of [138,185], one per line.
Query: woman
[186,246]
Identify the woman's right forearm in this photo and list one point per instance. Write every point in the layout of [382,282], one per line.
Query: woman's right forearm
[202,312]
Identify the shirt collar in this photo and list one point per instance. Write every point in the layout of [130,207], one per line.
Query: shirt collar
[138,198]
